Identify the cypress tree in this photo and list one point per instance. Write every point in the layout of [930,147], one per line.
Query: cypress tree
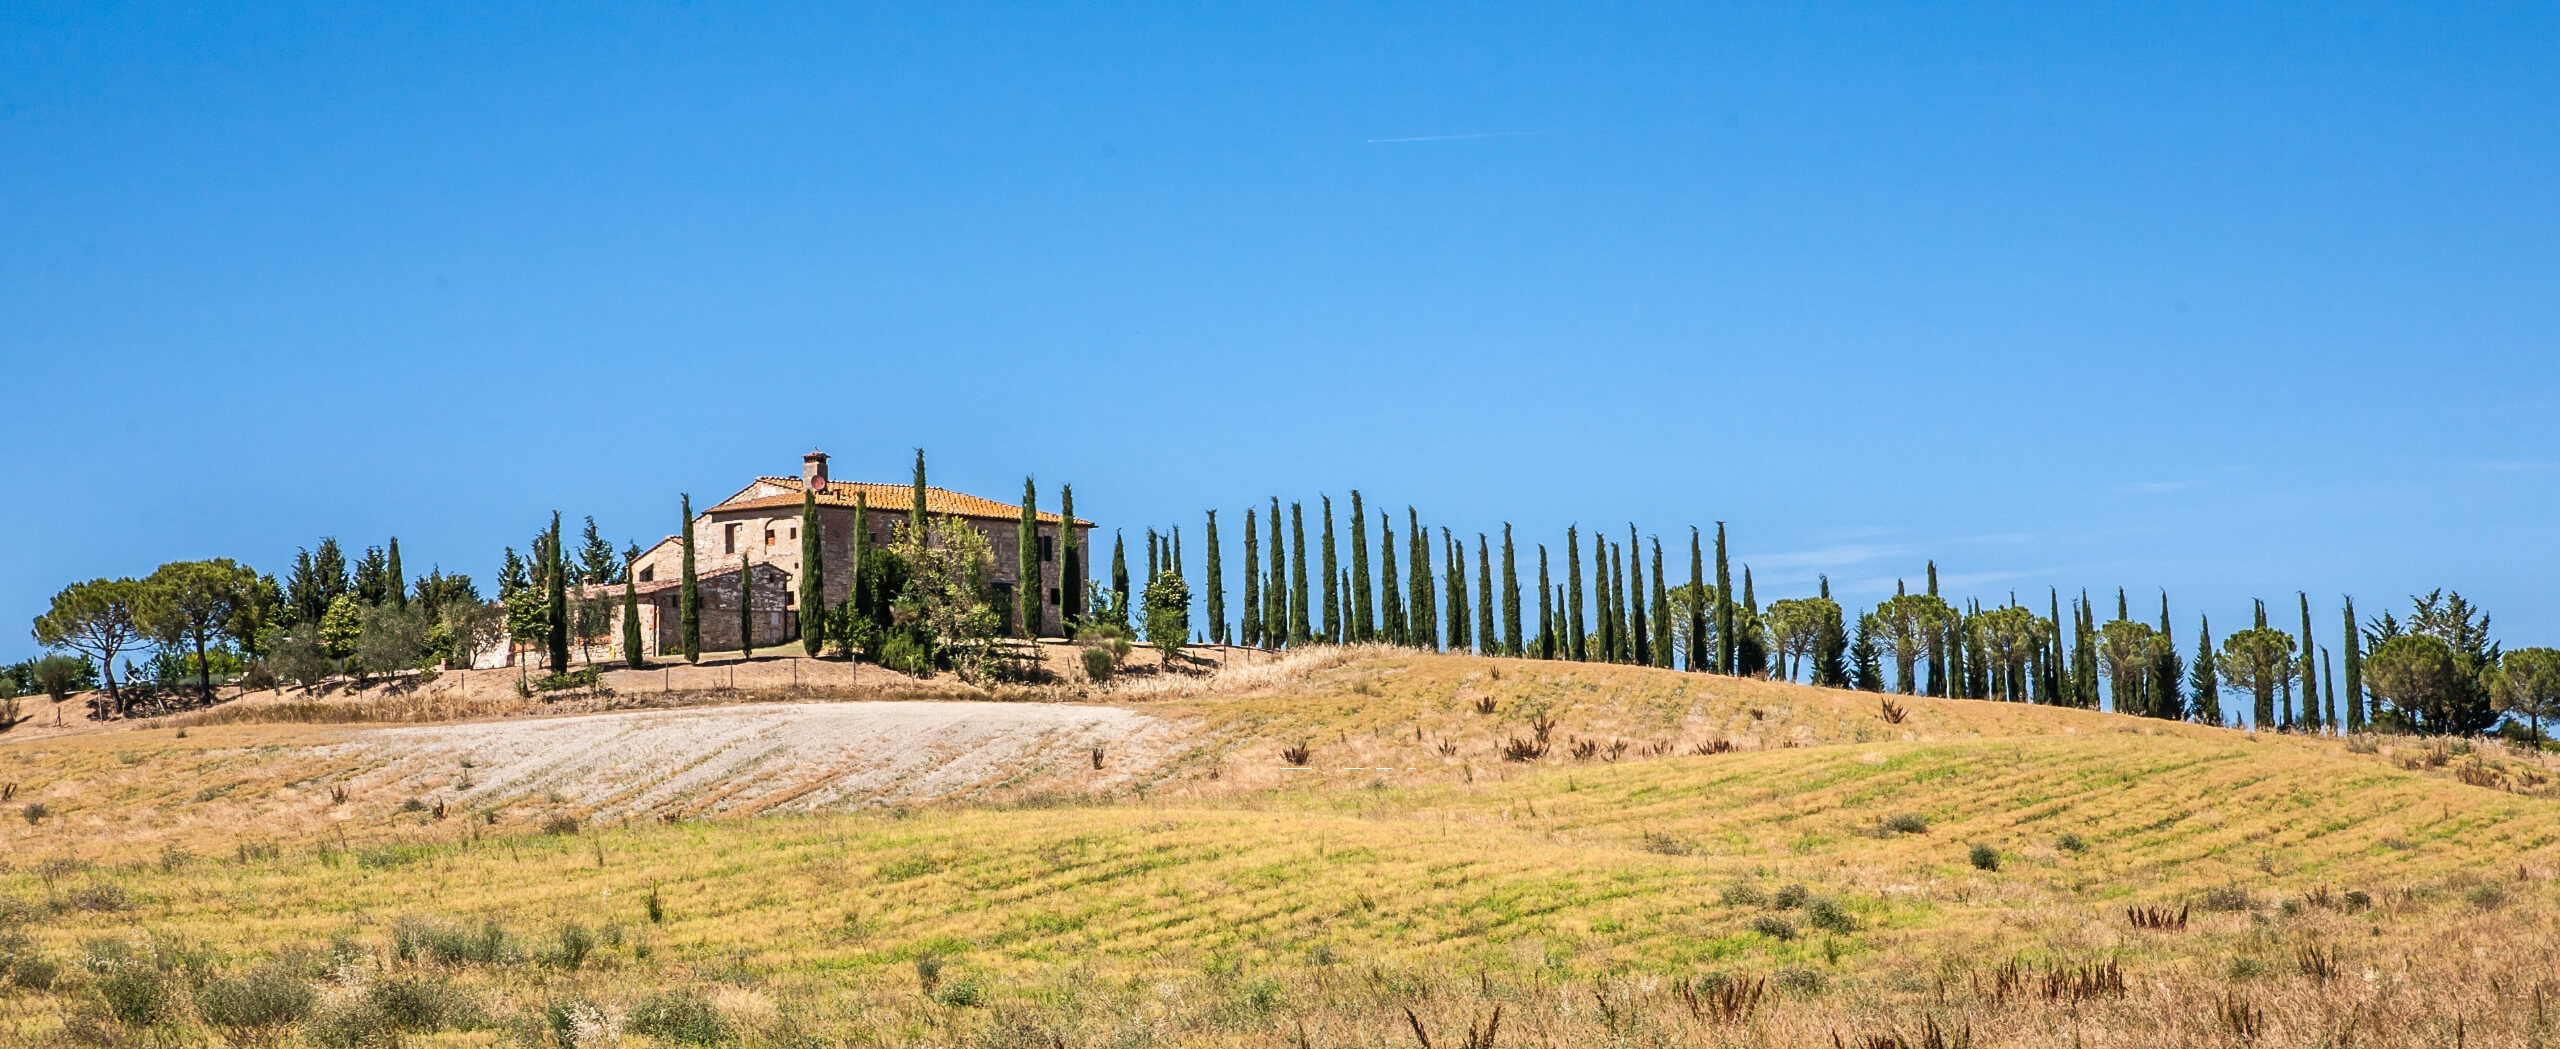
[1511,639]
[859,594]
[1070,564]
[2056,674]
[1546,610]
[1252,582]
[2265,714]
[1154,569]
[2166,701]
[746,607]
[1751,656]
[557,591]
[1301,627]
[2201,681]
[400,581]
[1724,608]
[1575,638]
[1661,611]
[1604,643]
[1120,578]
[1390,601]
[1342,597]
[2310,670]
[1938,654]
[631,654]
[1421,613]
[1562,635]
[1213,575]
[1364,620]
[2084,655]
[1275,590]
[1697,605]
[2355,671]
[1488,641]
[916,511]
[1455,566]
[1176,559]
[2329,683]
[1624,630]
[813,578]
[1866,672]
[1831,645]
[1332,578]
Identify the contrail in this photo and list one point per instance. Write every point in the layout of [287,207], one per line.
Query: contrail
[1453,138]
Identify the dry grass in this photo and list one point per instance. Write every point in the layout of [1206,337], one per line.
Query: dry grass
[1389,895]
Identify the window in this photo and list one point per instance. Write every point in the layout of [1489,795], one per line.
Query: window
[1048,548]
[795,532]
[768,537]
[729,538]
[649,573]
[1053,595]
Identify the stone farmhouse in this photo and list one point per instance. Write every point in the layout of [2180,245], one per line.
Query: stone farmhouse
[754,535]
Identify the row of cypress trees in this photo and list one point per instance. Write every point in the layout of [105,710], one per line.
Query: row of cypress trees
[2010,653]
[1629,615]
[1423,597]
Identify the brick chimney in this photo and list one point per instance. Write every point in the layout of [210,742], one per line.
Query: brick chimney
[813,470]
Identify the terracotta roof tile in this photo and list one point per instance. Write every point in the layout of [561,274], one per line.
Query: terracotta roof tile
[890,498]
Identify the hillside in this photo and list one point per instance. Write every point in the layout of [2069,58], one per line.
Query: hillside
[1818,878]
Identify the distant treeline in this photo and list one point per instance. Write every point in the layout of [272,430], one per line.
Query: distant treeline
[2436,671]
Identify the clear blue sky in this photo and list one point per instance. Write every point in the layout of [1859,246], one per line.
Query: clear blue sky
[2232,302]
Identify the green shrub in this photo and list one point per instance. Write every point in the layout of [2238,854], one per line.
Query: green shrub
[390,1009]
[1791,897]
[2069,842]
[1743,894]
[451,943]
[1099,663]
[136,993]
[1907,823]
[961,994]
[928,971]
[255,1004]
[1774,927]
[906,655]
[34,972]
[96,897]
[1262,997]
[583,677]
[678,1016]
[1799,980]
[571,946]
[2225,898]
[1983,857]
[1823,912]
[421,1005]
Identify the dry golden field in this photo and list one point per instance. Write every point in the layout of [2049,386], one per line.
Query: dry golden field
[1727,863]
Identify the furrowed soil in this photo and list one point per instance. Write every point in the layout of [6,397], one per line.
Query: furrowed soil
[1334,848]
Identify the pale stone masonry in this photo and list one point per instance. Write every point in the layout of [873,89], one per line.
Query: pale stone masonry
[760,526]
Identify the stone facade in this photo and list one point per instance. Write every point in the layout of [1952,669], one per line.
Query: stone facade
[760,525]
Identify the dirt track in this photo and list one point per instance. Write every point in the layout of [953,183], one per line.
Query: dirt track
[770,756]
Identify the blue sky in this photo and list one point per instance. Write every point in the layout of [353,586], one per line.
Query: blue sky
[2232,302]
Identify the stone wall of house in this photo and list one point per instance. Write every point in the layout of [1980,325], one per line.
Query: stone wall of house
[772,540]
